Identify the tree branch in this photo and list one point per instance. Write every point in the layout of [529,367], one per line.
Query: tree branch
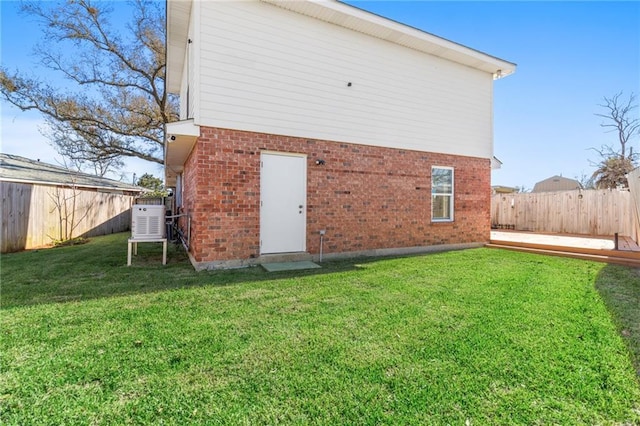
[119,106]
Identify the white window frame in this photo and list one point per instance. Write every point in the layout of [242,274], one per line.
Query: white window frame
[179,191]
[451,194]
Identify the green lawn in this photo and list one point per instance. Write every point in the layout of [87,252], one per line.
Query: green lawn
[474,337]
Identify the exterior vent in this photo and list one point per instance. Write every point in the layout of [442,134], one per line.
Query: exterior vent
[147,222]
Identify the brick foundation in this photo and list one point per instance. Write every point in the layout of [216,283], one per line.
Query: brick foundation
[366,198]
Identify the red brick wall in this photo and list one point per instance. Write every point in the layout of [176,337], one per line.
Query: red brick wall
[365,197]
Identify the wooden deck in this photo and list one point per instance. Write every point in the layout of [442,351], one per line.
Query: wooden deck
[598,249]
[627,244]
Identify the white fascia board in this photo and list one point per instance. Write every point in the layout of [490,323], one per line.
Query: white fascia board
[177,28]
[182,128]
[180,138]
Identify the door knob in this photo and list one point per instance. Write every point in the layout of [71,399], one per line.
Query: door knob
[300,206]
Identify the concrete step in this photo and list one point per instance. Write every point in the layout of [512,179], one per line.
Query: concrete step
[607,256]
[285,257]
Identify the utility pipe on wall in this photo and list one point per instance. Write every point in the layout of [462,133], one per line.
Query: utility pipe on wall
[321,241]
[186,243]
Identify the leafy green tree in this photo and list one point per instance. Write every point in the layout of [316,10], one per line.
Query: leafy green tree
[153,184]
[114,103]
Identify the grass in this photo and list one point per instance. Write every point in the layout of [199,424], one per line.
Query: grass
[478,336]
[620,289]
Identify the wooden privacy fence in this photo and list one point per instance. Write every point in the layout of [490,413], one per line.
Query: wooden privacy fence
[590,212]
[634,189]
[36,215]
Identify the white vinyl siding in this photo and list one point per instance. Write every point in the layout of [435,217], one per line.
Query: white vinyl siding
[442,186]
[270,70]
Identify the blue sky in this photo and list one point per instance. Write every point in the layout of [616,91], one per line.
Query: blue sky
[569,55]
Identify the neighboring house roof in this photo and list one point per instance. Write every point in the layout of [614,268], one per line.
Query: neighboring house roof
[556,183]
[344,15]
[499,189]
[14,168]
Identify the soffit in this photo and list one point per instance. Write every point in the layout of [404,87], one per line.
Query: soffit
[383,28]
[178,14]
[181,136]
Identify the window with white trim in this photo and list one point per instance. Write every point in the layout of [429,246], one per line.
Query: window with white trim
[441,194]
[178,193]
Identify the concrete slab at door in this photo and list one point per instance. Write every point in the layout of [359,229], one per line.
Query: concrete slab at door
[283,203]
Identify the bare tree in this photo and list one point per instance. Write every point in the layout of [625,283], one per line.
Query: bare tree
[98,168]
[522,189]
[114,104]
[586,181]
[614,164]
[620,118]
[69,214]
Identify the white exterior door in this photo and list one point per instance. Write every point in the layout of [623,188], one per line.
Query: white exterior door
[283,203]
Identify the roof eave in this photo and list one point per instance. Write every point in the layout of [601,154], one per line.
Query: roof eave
[180,138]
[177,28]
[495,163]
[71,184]
[356,19]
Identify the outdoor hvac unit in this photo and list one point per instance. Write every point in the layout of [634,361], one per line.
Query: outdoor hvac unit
[147,222]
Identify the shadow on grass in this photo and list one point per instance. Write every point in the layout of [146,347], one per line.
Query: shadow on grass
[99,269]
[619,287]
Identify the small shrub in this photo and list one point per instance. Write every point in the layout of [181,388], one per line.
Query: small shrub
[70,242]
